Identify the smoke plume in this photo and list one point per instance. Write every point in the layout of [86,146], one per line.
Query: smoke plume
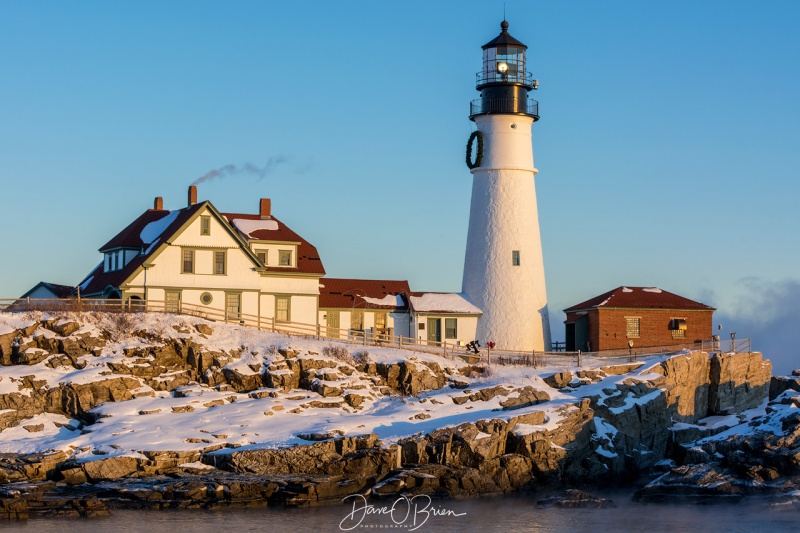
[248,168]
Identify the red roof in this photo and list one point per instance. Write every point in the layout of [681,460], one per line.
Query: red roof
[639,298]
[308,260]
[339,293]
[98,280]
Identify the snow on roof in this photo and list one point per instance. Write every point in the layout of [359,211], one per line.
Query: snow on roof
[86,283]
[154,229]
[388,300]
[438,302]
[250,226]
[652,289]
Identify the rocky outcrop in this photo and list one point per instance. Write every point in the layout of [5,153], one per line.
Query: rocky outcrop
[739,381]
[354,458]
[779,384]
[686,380]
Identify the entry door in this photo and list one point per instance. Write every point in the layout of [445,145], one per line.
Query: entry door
[233,305]
[434,329]
[333,324]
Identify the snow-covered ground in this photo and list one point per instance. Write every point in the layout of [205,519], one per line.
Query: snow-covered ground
[199,417]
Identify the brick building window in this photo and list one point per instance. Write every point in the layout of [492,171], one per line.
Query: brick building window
[678,333]
[632,328]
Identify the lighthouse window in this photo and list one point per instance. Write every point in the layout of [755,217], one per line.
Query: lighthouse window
[515,258]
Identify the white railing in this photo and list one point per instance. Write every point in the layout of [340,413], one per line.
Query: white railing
[368,337]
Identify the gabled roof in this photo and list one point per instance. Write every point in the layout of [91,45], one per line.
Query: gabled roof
[60,291]
[442,302]
[139,234]
[639,298]
[254,228]
[341,293]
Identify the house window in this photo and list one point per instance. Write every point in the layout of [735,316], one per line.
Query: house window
[285,258]
[678,333]
[172,302]
[632,327]
[282,308]
[262,256]
[233,305]
[357,320]
[515,258]
[205,225]
[219,262]
[450,328]
[188,262]
[380,320]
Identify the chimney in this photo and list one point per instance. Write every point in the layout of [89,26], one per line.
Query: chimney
[158,204]
[192,195]
[265,208]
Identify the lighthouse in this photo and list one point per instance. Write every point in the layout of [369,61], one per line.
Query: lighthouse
[503,265]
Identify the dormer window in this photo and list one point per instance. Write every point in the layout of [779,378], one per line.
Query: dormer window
[285,258]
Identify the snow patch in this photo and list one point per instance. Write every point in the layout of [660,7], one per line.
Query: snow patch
[153,230]
[390,300]
[248,226]
[431,302]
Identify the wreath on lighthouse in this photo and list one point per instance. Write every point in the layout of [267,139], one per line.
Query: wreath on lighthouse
[479,152]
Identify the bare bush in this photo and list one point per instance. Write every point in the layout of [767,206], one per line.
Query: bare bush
[361,357]
[338,352]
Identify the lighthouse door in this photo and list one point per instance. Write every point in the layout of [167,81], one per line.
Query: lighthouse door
[434,329]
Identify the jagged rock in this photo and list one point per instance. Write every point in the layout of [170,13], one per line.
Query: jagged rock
[618,370]
[30,356]
[355,457]
[354,400]
[34,428]
[483,395]
[282,379]
[63,327]
[559,380]
[110,468]
[203,328]
[739,381]
[687,380]
[779,384]
[527,396]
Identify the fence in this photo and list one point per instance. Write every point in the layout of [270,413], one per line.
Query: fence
[372,338]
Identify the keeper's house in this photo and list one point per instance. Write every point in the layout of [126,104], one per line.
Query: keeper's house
[645,316]
[236,263]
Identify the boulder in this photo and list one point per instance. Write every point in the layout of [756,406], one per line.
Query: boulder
[559,380]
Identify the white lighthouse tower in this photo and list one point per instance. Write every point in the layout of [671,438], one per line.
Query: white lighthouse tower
[503,267]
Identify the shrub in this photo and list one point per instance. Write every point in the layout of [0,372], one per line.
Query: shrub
[338,352]
[361,357]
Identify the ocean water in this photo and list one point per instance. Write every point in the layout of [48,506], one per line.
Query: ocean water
[503,514]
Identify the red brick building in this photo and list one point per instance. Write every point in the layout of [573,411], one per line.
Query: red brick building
[648,316]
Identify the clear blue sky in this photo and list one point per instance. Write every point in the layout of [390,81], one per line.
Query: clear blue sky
[667,147]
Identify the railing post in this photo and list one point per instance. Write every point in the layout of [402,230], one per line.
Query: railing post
[580,358]
[272,324]
[318,331]
[365,337]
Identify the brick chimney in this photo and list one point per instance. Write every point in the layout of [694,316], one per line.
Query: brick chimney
[192,195]
[158,204]
[265,208]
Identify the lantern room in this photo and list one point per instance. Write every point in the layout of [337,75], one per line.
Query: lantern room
[504,81]
[503,60]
